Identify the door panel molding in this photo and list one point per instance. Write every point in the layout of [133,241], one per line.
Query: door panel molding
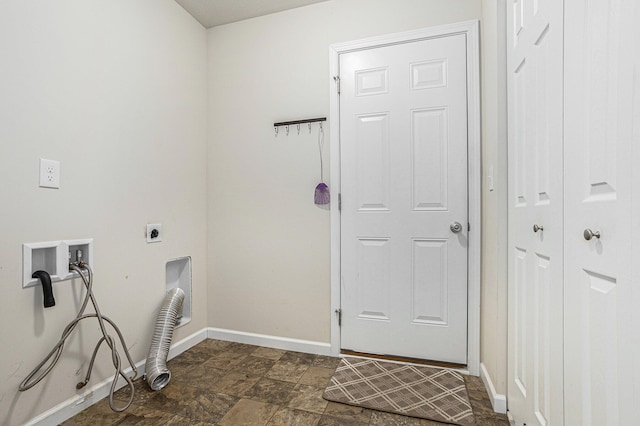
[535,212]
[602,377]
[471,31]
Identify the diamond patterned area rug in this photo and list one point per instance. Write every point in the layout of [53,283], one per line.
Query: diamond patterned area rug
[410,390]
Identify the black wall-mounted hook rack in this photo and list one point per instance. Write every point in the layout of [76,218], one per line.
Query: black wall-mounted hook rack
[307,120]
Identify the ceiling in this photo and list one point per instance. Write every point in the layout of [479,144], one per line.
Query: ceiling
[211,13]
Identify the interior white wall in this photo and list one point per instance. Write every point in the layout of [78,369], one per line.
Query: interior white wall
[116,91]
[493,348]
[269,245]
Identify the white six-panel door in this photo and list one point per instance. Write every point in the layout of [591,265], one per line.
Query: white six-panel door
[403,151]
[602,116]
[534,57]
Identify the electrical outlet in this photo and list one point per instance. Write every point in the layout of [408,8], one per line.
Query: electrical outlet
[154,232]
[49,173]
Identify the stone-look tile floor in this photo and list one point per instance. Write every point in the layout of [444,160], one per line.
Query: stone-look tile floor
[225,383]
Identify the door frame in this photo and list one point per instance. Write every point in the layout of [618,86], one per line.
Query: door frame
[471,30]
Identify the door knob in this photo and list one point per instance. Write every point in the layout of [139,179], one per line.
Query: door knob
[537,228]
[455,227]
[589,234]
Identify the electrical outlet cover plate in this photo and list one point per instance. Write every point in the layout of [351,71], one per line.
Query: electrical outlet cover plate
[49,173]
[154,232]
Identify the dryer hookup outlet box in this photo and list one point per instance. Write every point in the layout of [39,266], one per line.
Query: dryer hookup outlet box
[154,232]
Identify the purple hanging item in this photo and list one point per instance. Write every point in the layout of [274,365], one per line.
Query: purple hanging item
[321,196]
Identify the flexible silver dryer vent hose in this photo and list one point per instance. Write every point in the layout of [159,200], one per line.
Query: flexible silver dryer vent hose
[158,375]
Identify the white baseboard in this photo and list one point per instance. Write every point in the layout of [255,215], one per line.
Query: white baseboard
[308,346]
[498,401]
[187,343]
[72,406]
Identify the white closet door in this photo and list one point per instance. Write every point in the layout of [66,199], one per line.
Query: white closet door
[634,301]
[602,349]
[535,31]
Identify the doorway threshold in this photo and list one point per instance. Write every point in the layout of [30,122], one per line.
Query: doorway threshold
[409,360]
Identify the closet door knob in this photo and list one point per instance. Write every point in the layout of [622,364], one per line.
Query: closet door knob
[589,234]
[537,228]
